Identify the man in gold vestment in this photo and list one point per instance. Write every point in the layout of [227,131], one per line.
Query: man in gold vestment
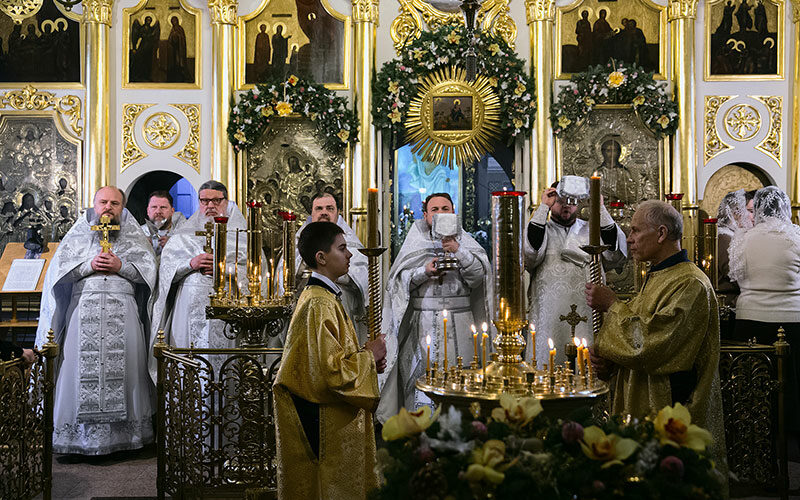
[662,347]
[327,387]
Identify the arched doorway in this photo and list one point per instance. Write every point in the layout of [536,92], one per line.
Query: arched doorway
[183,193]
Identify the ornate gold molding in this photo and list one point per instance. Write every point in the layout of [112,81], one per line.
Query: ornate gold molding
[131,152]
[161,130]
[223,11]
[30,99]
[190,153]
[796,11]
[365,11]
[493,16]
[20,10]
[681,9]
[713,145]
[771,145]
[97,11]
[742,122]
[540,10]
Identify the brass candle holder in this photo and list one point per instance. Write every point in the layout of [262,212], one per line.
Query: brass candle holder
[289,232]
[254,246]
[373,251]
[708,262]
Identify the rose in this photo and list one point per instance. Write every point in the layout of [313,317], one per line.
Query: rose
[672,466]
[407,423]
[674,427]
[284,108]
[663,120]
[638,100]
[479,429]
[571,432]
[610,449]
[615,79]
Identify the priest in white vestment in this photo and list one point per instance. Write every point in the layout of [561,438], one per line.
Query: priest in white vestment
[162,219]
[560,270]
[98,304]
[185,278]
[354,284]
[416,295]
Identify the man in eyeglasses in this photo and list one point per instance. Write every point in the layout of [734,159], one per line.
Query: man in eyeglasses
[185,274]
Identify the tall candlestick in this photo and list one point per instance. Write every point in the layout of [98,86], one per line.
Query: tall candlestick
[254,239]
[533,345]
[372,218]
[428,362]
[552,360]
[444,320]
[594,214]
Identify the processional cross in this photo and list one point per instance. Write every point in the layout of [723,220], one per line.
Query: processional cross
[209,234]
[105,227]
[573,319]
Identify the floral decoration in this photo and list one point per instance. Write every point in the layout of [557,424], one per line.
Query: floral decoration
[519,453]
[336,124]
[614,83]
[397,82]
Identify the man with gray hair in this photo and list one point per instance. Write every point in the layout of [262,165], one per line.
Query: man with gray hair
[662,347]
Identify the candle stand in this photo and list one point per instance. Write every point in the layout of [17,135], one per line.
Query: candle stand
[596,277]
[375,309]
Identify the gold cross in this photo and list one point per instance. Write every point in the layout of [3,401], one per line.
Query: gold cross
[573,319]
[104,227]
[209,234]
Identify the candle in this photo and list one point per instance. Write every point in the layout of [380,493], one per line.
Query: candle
[533,345]
[444,320]
[594,214]
[428,363]
[372,218]
[485,329]
[579,362]
[485,336]
[552,360]
[587,358]
[475,340]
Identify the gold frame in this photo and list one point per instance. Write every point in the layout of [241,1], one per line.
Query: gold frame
[661,74]
[241,60]
[707,76]
[453,146]
[126,49]
[61,85]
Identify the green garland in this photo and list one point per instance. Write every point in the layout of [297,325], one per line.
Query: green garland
[336,125]
[614,84]
[396,83]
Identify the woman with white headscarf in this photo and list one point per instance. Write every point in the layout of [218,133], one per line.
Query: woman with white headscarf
[765,262]
[732,216]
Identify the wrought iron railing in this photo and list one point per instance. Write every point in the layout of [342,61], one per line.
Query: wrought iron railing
[26,425]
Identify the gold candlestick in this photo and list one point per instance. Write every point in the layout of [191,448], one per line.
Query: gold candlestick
[289,231]
[220,255]
[372,218]
[254,240]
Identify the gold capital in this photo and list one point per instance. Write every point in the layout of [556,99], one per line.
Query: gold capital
[681,9]
[223,11]
[97,11]
[365,11]
[796,11]
[540,10]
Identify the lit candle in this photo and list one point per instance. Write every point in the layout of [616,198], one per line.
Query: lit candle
[372,218]
[533,345]
[485,329]
[551,364]
[579,365]
[428,363]
[475,340]
[594,214]
[444,320]
[485,336]
[587,358]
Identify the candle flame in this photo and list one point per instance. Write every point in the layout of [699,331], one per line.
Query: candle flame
[484,326]
[577,341]
[583,343]
[550,343]
[444,313]
[474,330]
[428,340]
[532,327]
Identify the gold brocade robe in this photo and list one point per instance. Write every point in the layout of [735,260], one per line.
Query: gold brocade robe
[322,364]
[671,326]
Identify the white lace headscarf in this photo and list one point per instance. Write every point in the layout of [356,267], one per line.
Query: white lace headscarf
[732,213]
[773,212]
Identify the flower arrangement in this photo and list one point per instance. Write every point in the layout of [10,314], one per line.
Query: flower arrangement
[614,83]
[336,124]
[396,83]
[518,453]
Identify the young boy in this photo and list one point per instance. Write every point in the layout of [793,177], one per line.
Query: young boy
[327,386]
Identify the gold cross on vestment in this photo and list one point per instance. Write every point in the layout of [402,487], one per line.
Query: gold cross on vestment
[573,319]
[209,234]
[105,227]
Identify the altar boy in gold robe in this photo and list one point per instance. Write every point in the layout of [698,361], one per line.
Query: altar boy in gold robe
[327,387]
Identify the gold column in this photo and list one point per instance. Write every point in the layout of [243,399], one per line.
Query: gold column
[540,15]
[223,39]
[795,172]
[683,178]
[363,172]
[97,17]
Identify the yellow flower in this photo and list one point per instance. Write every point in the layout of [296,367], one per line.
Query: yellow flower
[517,124]
[563,121]
[267,111]
[343,135]
[485,461]
[493,81]
[494,48]
[516,411]
[611,449]
[638,100]
[453,37]
[418,53]
[394,87]
[292,80]
[588,101]
[616,79]
[406,423]
[520,89]
[663,120]
[674,427]
[239,136]
[395,116]
[284,108]
[313,116]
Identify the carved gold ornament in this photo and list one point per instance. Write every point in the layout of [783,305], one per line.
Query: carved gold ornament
[161,130]
[681,9]
[493,16]
[30,99]
[365,11]
[190,153]
[452,120]
[796,11]
[223,11]
[713,145]
[771,145]
[131,152]
[742,122]
[540,10]
[18,10]
[98,11]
